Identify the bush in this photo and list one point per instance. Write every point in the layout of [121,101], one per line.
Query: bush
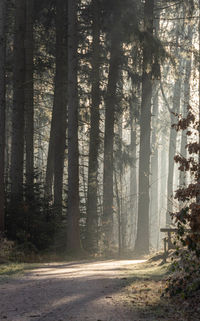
[184,280]
[32,222]
[6,248]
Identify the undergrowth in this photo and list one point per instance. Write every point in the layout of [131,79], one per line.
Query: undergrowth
[184,279]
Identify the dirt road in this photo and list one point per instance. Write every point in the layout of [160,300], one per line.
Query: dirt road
[76,291]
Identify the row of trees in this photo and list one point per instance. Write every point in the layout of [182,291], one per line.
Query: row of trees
[85,88]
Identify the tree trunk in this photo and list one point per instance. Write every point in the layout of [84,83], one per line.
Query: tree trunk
[2,111]
[154,215]
[57,142]
[92,214]
[17,151]
[172,144]
[29,99]
[73,214]
[198,196]
[163,181]
[188,67]
[60,104]
[110,102]
[142,241]
[133,182]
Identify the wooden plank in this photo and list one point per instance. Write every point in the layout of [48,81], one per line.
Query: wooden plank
[166,230]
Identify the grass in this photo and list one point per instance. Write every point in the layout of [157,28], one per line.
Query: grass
[143,292]
[14,269]
[155,271]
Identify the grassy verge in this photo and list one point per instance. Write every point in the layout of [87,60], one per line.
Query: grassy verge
[143,292]
[14,269]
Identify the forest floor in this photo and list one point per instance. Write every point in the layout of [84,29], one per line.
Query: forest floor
[110,290]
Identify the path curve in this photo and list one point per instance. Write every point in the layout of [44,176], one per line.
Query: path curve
[72,291]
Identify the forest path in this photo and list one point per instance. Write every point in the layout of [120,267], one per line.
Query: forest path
[71,291]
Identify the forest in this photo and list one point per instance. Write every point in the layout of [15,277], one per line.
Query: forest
[97,98]
[99,160]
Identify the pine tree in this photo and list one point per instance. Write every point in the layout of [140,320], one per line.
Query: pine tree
[73,211]
[2,111]
[29,97]
[142,241]
[92,213]
[17,149]
[110,103]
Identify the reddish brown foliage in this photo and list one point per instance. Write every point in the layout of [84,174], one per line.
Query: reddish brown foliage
[189,216]
[184,123]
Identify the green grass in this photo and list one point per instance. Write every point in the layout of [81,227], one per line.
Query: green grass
[14,269]
[144,287]
[151,271]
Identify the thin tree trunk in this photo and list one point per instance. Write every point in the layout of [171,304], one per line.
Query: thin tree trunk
[73,214]
[57,142]
[118,202]
[154,195]
[92,214]
[50,159]
[122,214]
[142,241]
[198,196]
[60,104]
[17,151]
[2,112]
[163,181]
[133,181]
[110,101]
[172,144]
[29,96]
[188,67]
[154,217]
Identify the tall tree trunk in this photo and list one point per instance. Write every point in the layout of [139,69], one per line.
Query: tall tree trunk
[154,193]
[2,111]
[142,241]
[110,101]
[17,152]
[154,216]
[92,214]
[60,104]
[57,142]
[29,99]
[188,67]
[133,181]
[73,213]
[198,196]
[163,180]
[172,143]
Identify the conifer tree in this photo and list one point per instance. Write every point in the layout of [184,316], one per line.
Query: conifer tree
[142,241]
[2,111]
[92,212]
[17,149]
[73,210]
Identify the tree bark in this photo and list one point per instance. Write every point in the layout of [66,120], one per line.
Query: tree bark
[29,99]
[92,214]
[110,101]
[133,181]
[17,151]
[2,112]
[154,215]
[57,142]
[73,213]
[188,67]
[172,144]
[142,241]
[60,105]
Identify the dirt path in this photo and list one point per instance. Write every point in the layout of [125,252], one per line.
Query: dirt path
[76,291]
